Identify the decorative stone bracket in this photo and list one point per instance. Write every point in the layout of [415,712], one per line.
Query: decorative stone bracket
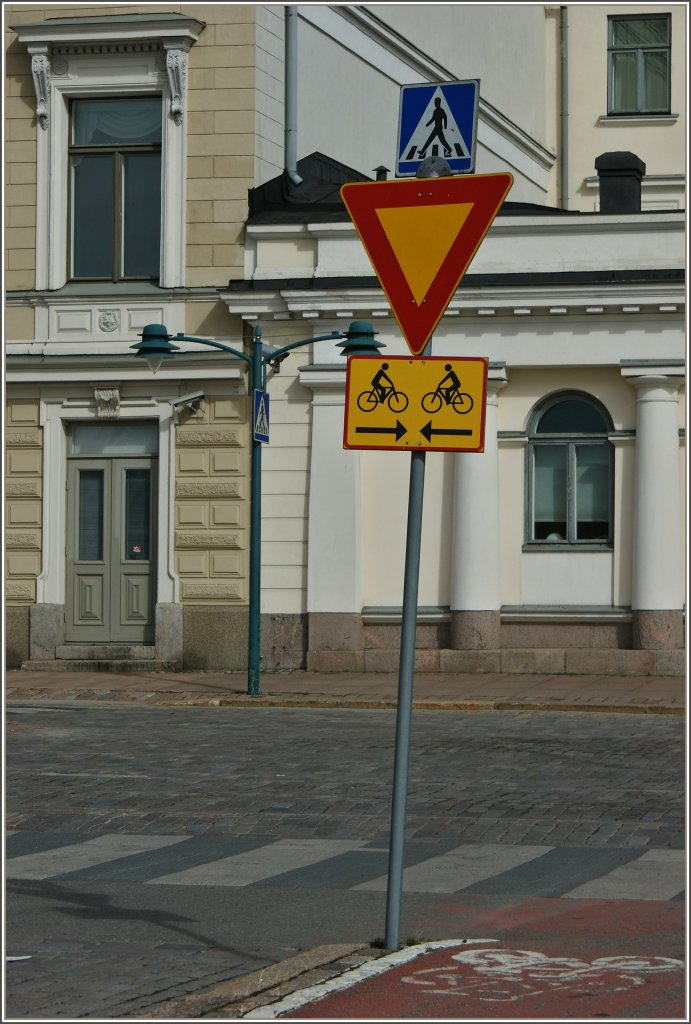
[40,72]
[107,402]
[176,67]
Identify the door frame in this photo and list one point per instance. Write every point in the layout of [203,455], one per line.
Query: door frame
[57,413]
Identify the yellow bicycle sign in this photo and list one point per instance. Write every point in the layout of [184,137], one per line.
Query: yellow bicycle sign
[425,403]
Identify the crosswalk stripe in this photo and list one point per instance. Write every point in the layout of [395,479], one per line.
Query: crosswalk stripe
[655,875]
[63,859]
[255,865]
[460,867]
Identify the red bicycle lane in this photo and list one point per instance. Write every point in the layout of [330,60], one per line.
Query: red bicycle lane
[581,960]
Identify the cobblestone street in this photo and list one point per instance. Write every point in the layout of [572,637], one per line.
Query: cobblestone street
[514,777]
[157,853]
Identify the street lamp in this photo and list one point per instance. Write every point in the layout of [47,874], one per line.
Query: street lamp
[157,345]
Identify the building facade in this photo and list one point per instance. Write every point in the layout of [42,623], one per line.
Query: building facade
[181,166]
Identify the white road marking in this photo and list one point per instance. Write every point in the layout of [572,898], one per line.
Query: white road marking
[76,856]
[655,875]
[457,868]
[265,862]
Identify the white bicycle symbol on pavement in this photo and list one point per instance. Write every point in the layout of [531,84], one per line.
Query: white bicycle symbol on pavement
[494,975]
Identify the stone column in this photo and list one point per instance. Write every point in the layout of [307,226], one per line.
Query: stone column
[334,585]
[476,565]
[658,559]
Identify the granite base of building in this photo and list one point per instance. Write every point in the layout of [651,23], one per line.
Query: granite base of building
[215,638]
[657,630]
[16,636]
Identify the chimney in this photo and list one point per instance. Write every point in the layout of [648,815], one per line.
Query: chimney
[620,177]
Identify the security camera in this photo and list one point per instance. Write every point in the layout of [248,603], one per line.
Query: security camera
[190,401]
[275,364]
[274,361]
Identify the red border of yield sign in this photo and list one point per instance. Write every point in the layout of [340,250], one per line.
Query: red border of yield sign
[485,192]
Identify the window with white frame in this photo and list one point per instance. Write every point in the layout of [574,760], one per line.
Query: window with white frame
[115,188]
[638,57]
[569,473]
[85,69]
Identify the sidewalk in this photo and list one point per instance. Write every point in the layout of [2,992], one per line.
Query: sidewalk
[480,692]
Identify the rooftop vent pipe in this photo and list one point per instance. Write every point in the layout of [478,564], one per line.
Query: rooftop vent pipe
[620,177]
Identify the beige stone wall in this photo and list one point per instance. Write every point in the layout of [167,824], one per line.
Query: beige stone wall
[23,492]
[221,137]
[20,160]
[211,502]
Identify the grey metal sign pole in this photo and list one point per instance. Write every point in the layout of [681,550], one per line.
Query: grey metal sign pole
[405,701]
[432,167]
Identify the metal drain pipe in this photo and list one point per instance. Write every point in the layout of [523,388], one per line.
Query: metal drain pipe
[291,95]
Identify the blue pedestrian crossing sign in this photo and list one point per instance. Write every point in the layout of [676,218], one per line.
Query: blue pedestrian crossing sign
[438,119]
[261,416]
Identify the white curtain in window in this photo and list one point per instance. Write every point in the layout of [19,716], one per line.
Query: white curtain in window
[592,483]
[112,121]
[624,81]
[550,483]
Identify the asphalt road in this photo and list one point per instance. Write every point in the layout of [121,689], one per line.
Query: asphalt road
[154,852]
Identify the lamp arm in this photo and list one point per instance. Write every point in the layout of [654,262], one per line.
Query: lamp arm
[305,341]
[215,344]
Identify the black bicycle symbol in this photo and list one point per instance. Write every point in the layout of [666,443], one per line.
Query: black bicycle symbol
[397,401]
[460,401]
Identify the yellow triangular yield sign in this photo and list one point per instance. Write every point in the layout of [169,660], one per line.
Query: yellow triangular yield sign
[421,236]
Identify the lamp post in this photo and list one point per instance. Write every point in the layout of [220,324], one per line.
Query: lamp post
[157,345]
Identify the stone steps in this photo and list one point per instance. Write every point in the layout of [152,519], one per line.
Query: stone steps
[100,665]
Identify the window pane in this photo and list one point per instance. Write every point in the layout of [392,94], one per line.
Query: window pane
[592,492]
[90,515]
[655,79]
[572,416]
[116,122]
[549,492]
[640,32]
[623,86]
[141,214]
[115,438]
[137,518]
[92,216]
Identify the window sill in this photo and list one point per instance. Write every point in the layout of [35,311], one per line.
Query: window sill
[542,547]
[640,119]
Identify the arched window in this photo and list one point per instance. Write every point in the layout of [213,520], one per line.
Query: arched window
[570,472]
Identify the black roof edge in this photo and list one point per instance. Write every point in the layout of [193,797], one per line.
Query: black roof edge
[556,278]
[318,197]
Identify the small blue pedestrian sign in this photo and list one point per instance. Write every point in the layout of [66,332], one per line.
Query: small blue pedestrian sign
[438,119]
[261,417]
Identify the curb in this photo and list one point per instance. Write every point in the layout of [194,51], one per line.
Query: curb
[238,989]
[174,698]
[348,979]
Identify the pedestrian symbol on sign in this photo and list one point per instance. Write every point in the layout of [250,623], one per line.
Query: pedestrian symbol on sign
[440,121]
[261,416]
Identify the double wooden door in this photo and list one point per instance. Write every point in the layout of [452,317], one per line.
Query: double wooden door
[111,547]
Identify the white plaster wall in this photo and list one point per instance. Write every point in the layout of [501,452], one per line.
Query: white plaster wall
[349,93]
[285,482]
[385,485]
[659,143]
[502,45]
[566,578]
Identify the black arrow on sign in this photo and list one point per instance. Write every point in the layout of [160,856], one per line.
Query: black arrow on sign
[428,430]
[399,430]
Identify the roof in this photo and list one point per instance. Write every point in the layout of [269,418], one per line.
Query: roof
[318,197]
